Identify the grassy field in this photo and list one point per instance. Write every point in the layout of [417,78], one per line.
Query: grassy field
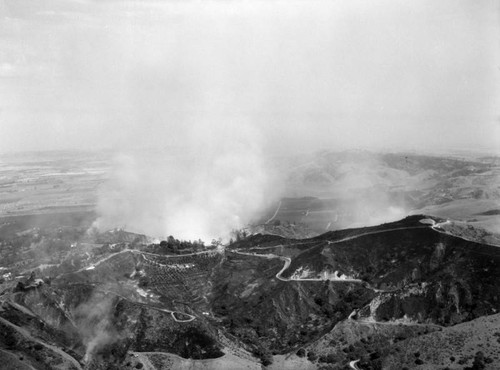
[42,183]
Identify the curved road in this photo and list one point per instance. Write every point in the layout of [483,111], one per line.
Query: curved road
[135,251]
[172,313]
[353,365]
[435,226]
[288,260]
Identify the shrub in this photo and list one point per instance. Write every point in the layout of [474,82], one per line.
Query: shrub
[311,356]
[38,346]
[266,359]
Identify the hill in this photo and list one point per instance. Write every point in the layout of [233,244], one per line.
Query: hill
[337,190]
[104,300]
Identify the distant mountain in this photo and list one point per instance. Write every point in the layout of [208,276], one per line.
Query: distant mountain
[338,190]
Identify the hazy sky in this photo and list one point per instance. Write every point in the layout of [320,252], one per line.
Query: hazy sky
[295,74]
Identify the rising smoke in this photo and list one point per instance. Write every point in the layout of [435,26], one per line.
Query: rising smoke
[93,319]
[216,181]
[216,88]
[224,179]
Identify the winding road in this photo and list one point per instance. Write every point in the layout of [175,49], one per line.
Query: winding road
[353,365]
[288,260]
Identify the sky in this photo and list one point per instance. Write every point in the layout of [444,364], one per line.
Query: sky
[230,84]
[292,75]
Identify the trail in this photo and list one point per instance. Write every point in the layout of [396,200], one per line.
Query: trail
[395,323]
[94,265]
[374,233]
[135,251]
[435,227]
[27,335]
[288,260]
[353,364]
[172,313]
[275,213]
[190,363]
[426,226]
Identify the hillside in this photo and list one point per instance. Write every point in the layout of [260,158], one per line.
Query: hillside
[337,190]
[106,300]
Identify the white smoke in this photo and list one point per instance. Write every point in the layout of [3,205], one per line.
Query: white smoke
[216,181]
[93,321]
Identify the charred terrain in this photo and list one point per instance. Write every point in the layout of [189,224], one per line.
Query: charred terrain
[419,292]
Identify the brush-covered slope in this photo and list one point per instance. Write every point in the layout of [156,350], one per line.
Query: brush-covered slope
[343,295]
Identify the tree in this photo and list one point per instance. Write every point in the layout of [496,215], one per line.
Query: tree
[311,356]
[216,242]
[266,359]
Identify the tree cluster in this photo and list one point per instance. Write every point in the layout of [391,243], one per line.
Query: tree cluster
[176,246]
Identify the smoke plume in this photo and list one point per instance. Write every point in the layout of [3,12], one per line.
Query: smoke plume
[93,320]
[216,181]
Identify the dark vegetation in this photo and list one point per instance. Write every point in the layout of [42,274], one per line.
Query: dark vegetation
[279,316]
[492,212]
[424,275]
[175,246]
[157,332]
